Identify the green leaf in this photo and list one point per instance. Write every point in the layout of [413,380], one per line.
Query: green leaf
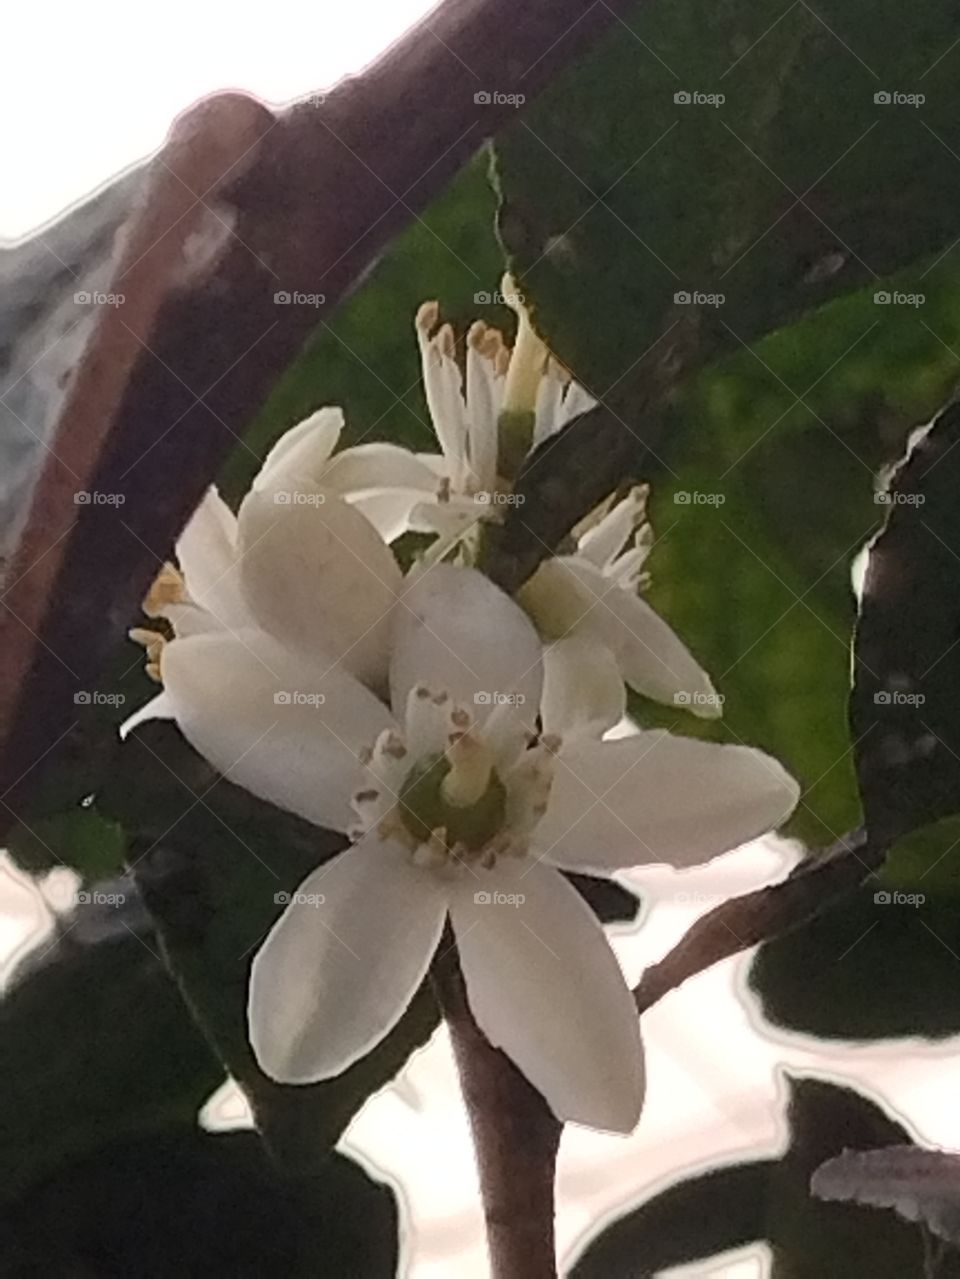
[905,707]
[728,1207]
[186,1203]
[798,188]
[877,965]
[95,1043]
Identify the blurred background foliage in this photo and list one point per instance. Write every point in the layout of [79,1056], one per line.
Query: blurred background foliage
[767,470]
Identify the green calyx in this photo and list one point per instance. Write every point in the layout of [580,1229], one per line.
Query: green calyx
[424,808]
[515,440]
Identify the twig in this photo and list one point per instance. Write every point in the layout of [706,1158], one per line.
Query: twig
[745,921]
[515,1135]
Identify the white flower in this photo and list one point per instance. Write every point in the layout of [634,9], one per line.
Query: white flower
[451,492]
[401,712]
[594,593]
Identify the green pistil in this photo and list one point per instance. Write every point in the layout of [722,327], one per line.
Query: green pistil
[423,807]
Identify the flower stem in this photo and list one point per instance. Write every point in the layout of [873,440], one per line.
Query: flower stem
[516,1137]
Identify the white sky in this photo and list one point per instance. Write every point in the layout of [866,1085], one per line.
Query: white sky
[87,89]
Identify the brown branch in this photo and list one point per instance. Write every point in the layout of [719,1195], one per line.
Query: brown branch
[240,204]
[742,922]
[515,1134]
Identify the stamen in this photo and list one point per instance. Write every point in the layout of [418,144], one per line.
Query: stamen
[153,642]
[168,588]
[427,315]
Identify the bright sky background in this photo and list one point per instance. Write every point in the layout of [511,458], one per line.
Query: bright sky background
[88,89]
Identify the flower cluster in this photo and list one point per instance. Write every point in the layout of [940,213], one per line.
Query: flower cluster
[471,746]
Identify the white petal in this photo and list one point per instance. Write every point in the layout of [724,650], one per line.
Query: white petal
[456,632]
[575,402]
[601,544]
[285,728]
[159,707]
[304,449]
[317,574]
[655,797]
[392,512]
[340,967]
[207,554]
[583,691]
[544,985]
[482,413]
[568,592]
[376,466]
[448,519]
[444,394]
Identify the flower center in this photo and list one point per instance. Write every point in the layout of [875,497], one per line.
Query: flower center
[439,795]
[451,791]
